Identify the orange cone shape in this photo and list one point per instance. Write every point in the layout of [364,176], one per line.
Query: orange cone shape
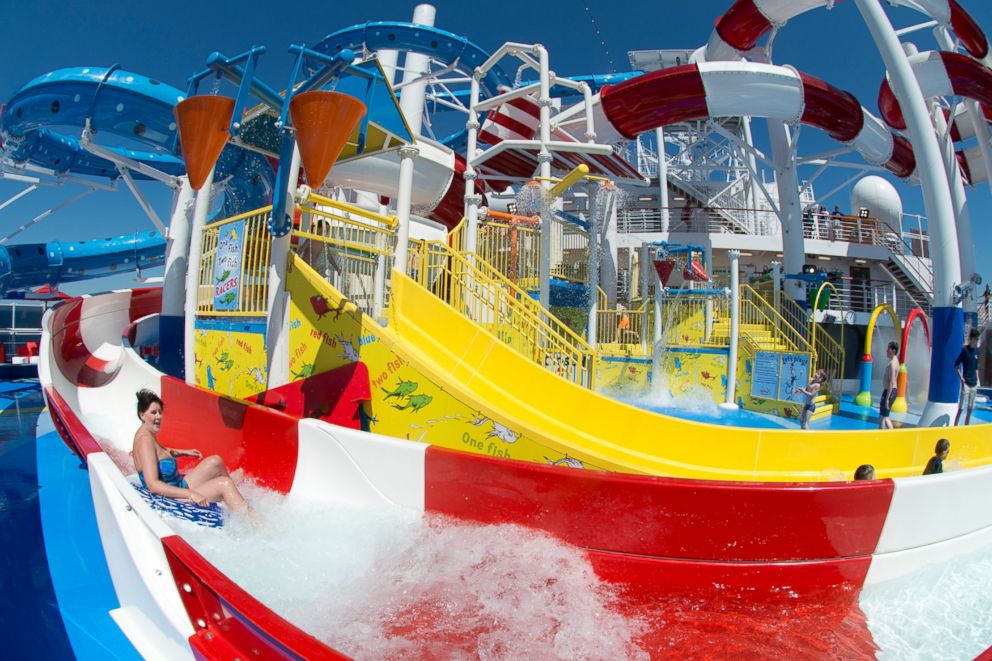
[203,131]
[324,121]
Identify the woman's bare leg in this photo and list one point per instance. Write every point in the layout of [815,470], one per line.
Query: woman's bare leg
[208,468]
[222,489]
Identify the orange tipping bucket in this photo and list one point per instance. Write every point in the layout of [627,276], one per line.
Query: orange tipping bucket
[324,121]
[203,123]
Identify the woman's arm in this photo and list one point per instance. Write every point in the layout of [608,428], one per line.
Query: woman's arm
[175,452]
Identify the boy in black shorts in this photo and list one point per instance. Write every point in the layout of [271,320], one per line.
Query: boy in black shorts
[889,380]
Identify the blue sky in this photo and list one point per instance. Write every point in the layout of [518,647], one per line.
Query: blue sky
[169,41]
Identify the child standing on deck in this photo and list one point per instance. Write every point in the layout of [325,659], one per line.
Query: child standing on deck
[811,391]
[889,386]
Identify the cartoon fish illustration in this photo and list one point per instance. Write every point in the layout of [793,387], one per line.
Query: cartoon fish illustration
[706,375]
[225,365]
[350,352]
[503,433]
[210,378]
[223,276]
[319,305]
[233,236]
[415,403]
[403,389]
[257,374]
[305,372]
[229,297]
[570,462]
[478,420]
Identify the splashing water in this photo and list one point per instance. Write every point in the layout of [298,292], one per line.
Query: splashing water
[389,583]
[941,612]
[917,370]
[530,199]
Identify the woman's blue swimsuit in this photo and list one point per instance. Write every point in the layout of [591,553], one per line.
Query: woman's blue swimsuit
[168,472]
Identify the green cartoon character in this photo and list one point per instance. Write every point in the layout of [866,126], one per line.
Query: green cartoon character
[403,389]
[415,403]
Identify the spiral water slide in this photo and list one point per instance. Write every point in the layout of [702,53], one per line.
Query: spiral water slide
[941,73]
[651,536]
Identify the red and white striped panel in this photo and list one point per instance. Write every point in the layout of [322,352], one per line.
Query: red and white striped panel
[743,25]
[940,74]
[517,119]
[719,89]
[652,534]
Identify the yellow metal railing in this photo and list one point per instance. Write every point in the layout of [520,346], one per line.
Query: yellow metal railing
[828,354]
[351,247]
[512,245]
[569,252]
[622,326]
[756,311]
[234,262]
[478,291]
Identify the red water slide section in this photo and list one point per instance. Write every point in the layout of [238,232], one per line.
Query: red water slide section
[738,553]
[678,94]
[968,78]
[744,24]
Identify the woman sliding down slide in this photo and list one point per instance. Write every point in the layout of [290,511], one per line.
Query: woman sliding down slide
[209,482]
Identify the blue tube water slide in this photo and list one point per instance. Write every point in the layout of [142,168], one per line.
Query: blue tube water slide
[28,265]
[136,113]
[40,122]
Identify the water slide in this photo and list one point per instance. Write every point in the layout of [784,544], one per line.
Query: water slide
[941,73]
[649,535]
[28,265]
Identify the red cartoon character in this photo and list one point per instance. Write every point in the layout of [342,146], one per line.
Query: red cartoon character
[320,305]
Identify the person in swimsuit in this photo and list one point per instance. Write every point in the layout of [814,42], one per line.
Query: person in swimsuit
[811,391]
[889,386]
[208,482]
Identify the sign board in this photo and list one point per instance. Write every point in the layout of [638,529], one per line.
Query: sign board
[227,266]
[794,373]
[863,213]
[764,375]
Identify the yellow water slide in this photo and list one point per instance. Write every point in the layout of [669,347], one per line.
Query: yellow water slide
[440,378]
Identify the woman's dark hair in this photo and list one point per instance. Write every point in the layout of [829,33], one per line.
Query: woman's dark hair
[943,445]
[145,399]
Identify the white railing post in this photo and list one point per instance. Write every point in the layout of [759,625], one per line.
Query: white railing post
[404,200]
[730,401]
[200,211]
[171,325]
[277,316]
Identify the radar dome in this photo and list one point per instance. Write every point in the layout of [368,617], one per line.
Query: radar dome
[879,197]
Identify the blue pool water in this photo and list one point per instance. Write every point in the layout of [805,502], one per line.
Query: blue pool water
[53,575]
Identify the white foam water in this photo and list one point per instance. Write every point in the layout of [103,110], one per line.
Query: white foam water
[390,583]
[940,612]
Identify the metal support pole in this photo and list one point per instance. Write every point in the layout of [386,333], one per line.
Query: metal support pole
[471,199]
[200,211]
[416,65]
[777,284]
[277,320]
[544,160]
[594,210]
[730,401]
[790,208]
[948,319]
[646,270]
[659,134]
[404,200]
[170,325]
[752,174]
